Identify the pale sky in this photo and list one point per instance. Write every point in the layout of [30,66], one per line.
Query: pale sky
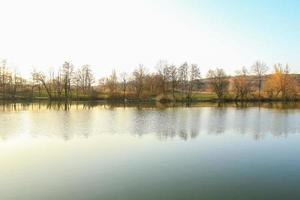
[119,34]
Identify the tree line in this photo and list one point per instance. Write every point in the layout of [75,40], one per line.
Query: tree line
[168,82]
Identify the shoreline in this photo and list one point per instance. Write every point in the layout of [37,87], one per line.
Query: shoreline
[150,100]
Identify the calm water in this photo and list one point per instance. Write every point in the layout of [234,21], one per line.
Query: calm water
[95,152]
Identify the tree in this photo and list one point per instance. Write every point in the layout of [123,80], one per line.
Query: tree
[153,83]
[16,82]
[138,80]
[102,84]
[164,72]
[57,83]
[194,75]
[173,78]
[242,84]
[40,77]
[259,69]
[281,83]
[183,78]
[111,82]
[83,80]
[67,73]
[218,82]
[124,78]
[62,83]
[3,78]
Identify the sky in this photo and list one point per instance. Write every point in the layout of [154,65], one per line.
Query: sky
[118,34]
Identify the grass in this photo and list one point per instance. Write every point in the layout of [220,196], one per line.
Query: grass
[131,97]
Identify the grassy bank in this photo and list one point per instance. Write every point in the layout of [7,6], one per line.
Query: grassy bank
[166,98]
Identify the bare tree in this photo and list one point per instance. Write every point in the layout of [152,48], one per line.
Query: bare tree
[218,82]
[111,82]
[153,83]
[102,84]
[76,80]
[40,77]
[83,80]
[16,83]
[88,78]
[34,83]
[164,72]
[58,83]
[173,77]
[194,75]
[138,80]
[183,78]
[67,73]
[260,69]
[124,80]
[242,84]
[3,80]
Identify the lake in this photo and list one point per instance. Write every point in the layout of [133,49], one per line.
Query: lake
[141,152]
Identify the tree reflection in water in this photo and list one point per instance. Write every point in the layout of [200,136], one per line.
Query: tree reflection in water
[82,119]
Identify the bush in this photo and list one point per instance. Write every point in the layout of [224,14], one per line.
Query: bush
[162,98]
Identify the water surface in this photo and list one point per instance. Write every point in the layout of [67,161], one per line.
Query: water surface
[100,151]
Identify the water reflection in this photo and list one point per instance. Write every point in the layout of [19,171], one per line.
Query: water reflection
[62,105]
[68,120]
